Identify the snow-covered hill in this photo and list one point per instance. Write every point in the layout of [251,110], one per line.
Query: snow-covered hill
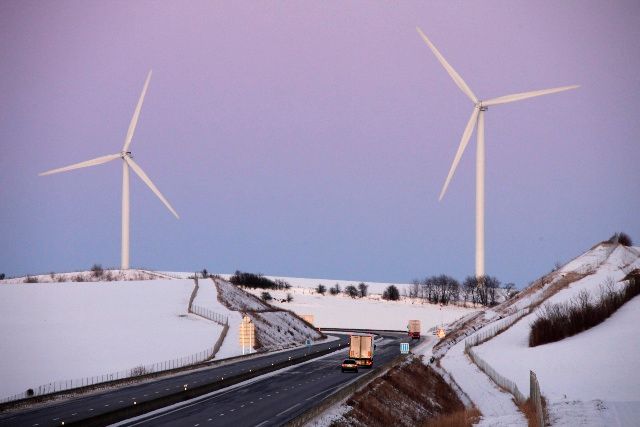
[592,378]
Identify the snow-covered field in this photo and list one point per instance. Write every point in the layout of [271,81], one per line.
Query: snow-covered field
[341,311]
[59,331]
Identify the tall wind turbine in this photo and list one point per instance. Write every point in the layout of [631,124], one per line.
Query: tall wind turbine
[477,116]
[127,162]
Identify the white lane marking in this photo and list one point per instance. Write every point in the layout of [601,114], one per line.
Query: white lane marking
[75,413]
[287,410]
[262,423]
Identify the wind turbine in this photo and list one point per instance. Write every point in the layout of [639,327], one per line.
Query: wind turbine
[477,116]
[127,162]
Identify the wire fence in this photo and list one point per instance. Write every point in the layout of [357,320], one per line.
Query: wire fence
[167,365]
[498,327]
[535,395]
[499,379]
[483,336]
[210,315]
[64,385]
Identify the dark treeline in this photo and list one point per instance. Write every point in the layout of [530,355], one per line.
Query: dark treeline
[251,280]
[445,289]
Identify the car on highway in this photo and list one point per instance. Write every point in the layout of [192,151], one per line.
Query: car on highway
[349,365]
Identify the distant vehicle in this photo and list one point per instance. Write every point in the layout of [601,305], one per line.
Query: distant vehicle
[349,365]
[414,329]
[361,350]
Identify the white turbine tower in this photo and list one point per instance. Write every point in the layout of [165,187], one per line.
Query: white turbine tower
[127,162]
[477,116]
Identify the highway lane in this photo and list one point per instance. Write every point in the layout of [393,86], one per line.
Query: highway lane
[115,404]
[275,399]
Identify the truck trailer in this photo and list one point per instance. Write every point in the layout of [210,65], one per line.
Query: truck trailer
[414,329]
[361,350]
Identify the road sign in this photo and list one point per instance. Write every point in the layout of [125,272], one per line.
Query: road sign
[404,347]
[247,334]
[308,342]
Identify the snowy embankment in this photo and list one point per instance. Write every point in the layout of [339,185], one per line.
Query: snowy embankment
[207,297]
[594,375]
[372,312]
[59,331]
[275,329]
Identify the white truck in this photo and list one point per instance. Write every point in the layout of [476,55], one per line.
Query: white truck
[361,350]
[414,329]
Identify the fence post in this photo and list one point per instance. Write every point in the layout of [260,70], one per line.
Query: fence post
[536,398]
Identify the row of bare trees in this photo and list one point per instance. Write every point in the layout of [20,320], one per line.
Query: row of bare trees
[443,289]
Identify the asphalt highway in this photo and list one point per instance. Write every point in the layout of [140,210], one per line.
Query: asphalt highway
[275,399]
[203,397]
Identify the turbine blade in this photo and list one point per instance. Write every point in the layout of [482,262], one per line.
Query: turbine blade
[136,114]
[468,130]
[87,163]
[143,176]
[524,95]
[454,75]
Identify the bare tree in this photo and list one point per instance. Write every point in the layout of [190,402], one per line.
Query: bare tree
[363,289]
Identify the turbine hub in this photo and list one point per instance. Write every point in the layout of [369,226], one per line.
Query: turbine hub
[481,107]
[124,154]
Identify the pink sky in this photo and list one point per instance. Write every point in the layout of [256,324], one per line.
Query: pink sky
[312,138]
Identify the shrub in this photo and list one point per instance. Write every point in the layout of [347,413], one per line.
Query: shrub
[351,291]
[266,296]
[335,290]
[78,278]
[282,284]
[321,289]
[2,276]
[31,279]
[97,271]
[138,371]
[251,280]
[391,293]
[622,238]
[558,321]
[362,288]
[289,297]
[204,272]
